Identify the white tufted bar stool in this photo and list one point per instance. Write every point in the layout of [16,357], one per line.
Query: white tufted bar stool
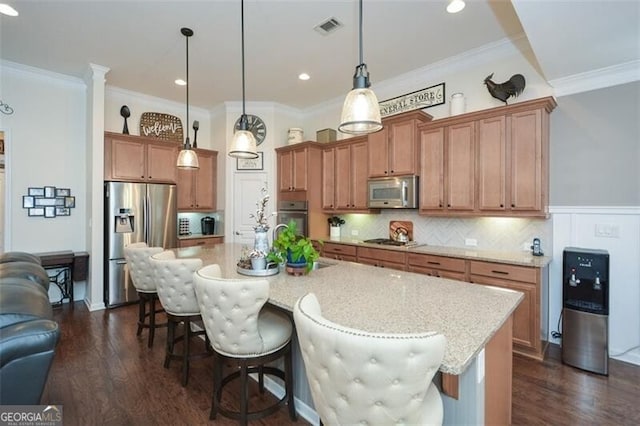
[137,257]
[242,330]
[174,278]
[357,377]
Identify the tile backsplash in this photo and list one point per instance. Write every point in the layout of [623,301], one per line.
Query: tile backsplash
[490,233]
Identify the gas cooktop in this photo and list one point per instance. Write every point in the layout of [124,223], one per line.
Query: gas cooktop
[389,242]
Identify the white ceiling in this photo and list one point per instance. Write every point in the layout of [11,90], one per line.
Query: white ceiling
[141,43]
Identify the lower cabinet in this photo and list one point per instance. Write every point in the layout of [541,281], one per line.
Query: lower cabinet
[339,251]
[437,266]
[382,258]
[530,325]
[200,242]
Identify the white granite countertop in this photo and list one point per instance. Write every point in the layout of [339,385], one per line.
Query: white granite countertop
[384,300]
[521,258]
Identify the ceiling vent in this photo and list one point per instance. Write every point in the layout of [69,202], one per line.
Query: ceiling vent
[328,26]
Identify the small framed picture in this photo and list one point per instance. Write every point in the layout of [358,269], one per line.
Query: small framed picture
[251,163]
[49,191]
[36,211]
[36,192]
[27,201]
[70,201]
[63,192]
[63,211]
[50,211]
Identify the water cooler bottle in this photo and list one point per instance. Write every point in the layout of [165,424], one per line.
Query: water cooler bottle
[585,314]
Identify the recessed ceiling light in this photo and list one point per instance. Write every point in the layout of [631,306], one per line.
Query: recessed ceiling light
[455,6]
[304,76]
[5,9]
[181,82]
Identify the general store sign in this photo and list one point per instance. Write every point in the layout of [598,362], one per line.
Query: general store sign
[425,98]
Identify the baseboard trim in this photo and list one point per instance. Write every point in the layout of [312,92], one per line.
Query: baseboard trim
[303,410]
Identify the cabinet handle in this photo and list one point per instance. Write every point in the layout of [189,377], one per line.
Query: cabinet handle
[440,205]
[201,243]
[448,205]
[386,172]
[430,262]
[392,172]
[142,176]
[500,272]
[337,249]
[501,205]
[513,205]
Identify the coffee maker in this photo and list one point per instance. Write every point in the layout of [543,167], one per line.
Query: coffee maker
[585,313]
[208,225]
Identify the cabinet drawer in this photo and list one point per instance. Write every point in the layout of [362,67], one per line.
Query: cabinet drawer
[436,262]
[338,249]
[204,242]
[382,255]
[435,272]
[502,271]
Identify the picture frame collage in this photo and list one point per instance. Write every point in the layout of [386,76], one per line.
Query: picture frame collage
[48,201]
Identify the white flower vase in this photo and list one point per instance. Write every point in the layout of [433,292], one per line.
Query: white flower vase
[261,242]
[334,232]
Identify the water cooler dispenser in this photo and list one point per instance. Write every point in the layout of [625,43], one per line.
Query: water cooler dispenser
[585,314]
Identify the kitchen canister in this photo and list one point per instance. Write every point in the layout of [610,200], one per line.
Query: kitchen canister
[295,135]
[457,103]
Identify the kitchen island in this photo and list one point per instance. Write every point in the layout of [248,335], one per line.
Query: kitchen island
[475,319]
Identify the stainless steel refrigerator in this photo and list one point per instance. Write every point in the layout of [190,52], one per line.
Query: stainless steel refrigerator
[133,213]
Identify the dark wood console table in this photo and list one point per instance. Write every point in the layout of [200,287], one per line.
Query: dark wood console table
[71,266]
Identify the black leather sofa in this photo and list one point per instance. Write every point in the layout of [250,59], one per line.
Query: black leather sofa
[28,333]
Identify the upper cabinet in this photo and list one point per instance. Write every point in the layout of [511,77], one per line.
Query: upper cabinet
[487,163]
[345,175]
[394,150]
[130,158]
[197,187]
[292,169]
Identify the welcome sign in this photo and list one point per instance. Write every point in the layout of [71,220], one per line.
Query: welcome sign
[425,98]
[161,126]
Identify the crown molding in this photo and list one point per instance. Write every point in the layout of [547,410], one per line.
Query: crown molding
[597,79]
[177,106]
[41,74]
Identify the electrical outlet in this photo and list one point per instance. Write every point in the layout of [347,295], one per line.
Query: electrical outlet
[354,232]
[471,242]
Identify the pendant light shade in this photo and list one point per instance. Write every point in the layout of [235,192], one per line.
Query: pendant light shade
[360,112]
[187,159]
[243,143]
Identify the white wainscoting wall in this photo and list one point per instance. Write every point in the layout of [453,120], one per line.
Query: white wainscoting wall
[576,227]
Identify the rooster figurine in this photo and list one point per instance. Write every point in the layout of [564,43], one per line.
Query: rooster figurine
[503,91]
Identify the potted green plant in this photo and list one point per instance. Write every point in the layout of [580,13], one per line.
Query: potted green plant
[293,248]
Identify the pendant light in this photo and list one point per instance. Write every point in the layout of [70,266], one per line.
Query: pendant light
[187,159]
[243,143]
[360,112]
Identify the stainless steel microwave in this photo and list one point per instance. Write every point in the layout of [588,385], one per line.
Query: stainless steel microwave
[393,192]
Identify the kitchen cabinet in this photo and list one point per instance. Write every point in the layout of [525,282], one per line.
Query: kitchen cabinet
[447,170]
[437,266]
[130,158]
[344,176]
[394,150]
[530,324]
[339,251]
[292,169]
[199,242]
[487,163]
[197,187]
[382,258]
[299,178]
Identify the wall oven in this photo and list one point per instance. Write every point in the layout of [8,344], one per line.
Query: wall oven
[297,211]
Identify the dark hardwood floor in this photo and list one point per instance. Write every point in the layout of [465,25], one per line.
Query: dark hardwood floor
[104,374]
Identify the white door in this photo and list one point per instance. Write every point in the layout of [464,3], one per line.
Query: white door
[246,193]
